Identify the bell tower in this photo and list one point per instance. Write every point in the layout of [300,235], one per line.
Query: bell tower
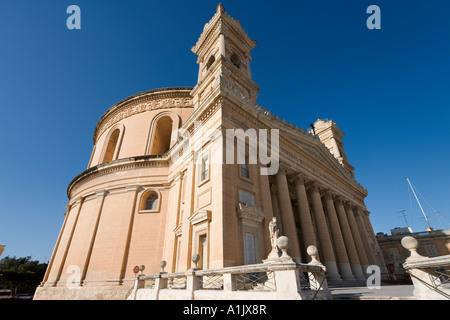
[223,52]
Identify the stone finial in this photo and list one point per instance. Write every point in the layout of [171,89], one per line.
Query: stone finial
[220,8]
[283,244]
[313,253]
[162,264]
[195,259]
[411,244]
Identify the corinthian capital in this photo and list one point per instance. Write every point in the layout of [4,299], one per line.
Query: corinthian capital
[298,178]
[283,169]
[327,194]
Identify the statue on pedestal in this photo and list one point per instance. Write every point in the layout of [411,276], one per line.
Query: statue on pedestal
[274,234]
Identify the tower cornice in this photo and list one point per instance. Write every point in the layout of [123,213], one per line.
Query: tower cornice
[221,22]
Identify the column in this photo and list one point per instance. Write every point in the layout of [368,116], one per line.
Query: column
[120,257]
[349,241]
[222,44]
[365,237]
[69,241]
[304,213]
[379,253]
[55,251]
[357,238]
[341,252]
[325,245]
[100,198]
[287,214]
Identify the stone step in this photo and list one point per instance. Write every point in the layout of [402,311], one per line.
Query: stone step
[338,284]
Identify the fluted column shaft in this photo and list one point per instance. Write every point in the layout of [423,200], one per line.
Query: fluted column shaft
[357,238]
[350,245]
[365,237]
[341,252]
[378,250]
[325,245]
[287,214]
[304,213]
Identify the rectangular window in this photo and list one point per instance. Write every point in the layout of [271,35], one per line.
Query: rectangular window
[431,250]
[204,168]
[203,251]
[246,197]
[244,171]
[394,253]
[250,254]
[178,254]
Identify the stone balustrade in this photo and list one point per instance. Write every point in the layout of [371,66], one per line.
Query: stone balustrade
[430,276]
[278,279]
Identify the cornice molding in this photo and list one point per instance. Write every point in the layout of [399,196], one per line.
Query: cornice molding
[115,166]
[200,216]
[165,98]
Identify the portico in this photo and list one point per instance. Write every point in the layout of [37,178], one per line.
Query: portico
[314,213]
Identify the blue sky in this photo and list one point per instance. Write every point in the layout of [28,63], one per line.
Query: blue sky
[387,89]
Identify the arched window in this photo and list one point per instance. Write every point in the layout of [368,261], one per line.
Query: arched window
[151,201]
[210,62]
[235,60]
[162,136]
[111,146]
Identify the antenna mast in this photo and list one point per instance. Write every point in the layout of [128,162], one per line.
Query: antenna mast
[426,218]
[402,212]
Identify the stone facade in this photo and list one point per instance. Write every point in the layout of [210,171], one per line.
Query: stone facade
[158,187]
[432,243]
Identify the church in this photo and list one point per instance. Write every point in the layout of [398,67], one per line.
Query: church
[159,185]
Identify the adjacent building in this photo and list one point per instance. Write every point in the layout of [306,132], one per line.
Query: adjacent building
[432,243]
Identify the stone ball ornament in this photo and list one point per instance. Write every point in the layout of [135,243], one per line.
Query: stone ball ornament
[195,259]
[312,251]
[410,243]
[162,264]
[283,243]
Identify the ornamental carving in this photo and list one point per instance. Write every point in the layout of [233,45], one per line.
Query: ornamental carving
[149,105]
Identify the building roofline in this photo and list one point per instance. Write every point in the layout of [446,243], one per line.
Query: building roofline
[134,97]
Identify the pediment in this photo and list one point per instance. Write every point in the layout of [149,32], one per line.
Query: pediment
[250,212]
[303,142]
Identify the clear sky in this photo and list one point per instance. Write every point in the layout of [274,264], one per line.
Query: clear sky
[387,89]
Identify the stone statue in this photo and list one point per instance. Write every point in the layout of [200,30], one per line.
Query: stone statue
[274,234]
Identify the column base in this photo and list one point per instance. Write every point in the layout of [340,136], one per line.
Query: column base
[357,271]
[332,271]
[346,272]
